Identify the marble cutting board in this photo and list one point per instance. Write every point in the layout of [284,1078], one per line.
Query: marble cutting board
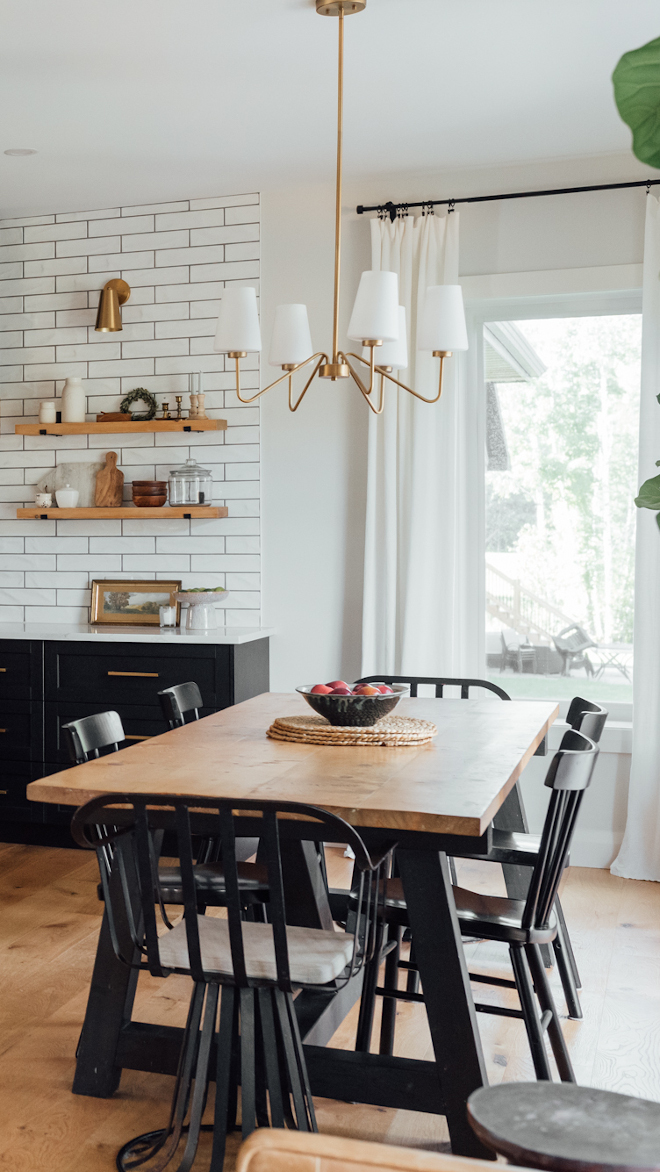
[79,475]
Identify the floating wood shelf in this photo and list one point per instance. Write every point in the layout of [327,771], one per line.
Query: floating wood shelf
[167,512]
[187,425]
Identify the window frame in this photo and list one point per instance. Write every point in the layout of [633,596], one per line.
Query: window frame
[480,311]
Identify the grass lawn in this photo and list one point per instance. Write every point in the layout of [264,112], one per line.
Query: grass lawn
[520,685]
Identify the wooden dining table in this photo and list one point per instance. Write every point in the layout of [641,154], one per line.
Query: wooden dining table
[427,799]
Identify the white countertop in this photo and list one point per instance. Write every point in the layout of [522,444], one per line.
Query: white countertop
[68,632]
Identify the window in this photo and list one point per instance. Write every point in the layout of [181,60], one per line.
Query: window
[561,476]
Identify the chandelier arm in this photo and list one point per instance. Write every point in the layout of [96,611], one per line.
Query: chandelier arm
[416,393]
[319,354]
[376,410]
[356,376]
[322,358]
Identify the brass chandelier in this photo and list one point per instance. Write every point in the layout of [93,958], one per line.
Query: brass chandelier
[377,319]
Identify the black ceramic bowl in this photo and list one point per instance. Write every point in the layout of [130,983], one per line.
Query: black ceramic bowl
[356,711]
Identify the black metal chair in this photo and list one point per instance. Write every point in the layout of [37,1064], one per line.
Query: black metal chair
[437,682]
[86,736]
[177,701]
[523,925]
[257,965]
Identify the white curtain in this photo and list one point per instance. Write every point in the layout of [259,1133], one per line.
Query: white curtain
[639,857]
[421,608]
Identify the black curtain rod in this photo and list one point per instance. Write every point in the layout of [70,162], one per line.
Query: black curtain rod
[393,208]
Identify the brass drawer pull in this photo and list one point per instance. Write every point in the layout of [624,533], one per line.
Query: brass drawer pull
[3,668]
[133,737]
[3,729]
[4,791]
[152,675]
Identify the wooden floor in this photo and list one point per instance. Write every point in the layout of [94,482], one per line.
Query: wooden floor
[49,920]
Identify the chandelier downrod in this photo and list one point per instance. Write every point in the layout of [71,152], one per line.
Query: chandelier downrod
[340,136]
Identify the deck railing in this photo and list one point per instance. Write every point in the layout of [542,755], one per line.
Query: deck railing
[521,609]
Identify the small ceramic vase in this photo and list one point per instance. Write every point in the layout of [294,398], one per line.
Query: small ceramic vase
[74,401]
[201,413]
[43,500]
[194,407]
[47,411]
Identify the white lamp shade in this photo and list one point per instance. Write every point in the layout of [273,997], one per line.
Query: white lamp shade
[291,342]
[394,354]
[238,321]
[442,325]
[376,309]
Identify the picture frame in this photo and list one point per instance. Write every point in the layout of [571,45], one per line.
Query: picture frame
[131,602]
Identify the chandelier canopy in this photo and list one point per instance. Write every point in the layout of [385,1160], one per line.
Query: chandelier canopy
[378,321]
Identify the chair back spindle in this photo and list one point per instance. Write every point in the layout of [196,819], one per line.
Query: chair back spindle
[437,682]
[568,777]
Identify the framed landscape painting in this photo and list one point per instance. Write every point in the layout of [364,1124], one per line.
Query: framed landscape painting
[134,603]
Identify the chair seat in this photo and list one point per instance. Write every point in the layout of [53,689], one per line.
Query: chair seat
[210,881]
[315,956]
[490,916]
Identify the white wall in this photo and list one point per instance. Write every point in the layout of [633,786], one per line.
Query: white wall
[313,463]
[177,258]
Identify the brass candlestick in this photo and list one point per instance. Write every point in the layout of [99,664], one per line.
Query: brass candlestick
[166,411]
[179,399]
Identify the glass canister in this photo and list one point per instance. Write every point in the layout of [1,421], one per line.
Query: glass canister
[190,485]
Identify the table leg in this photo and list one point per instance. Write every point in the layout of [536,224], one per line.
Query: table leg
[109,1007]
[447,993]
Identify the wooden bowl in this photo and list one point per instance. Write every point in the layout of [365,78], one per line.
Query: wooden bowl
[151,501]
[157,486]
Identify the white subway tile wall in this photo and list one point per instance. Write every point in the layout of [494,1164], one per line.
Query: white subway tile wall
[177,258]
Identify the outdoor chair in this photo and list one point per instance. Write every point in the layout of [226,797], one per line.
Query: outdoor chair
[258,966]
[572,643]
[516,652]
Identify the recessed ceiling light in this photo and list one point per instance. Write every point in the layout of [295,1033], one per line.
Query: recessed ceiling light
[20,151]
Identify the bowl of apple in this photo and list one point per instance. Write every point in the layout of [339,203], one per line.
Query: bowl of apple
[357,705]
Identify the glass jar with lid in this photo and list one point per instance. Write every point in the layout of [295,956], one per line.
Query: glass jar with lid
[190,485]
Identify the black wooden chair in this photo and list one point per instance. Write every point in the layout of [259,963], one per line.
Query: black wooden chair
[523,925]
[567,1129]
[520,849]
[104,731]
[179,700]
[258,966]
[85,737]
[512,846]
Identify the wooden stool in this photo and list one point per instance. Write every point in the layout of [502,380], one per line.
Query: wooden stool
[566,1128]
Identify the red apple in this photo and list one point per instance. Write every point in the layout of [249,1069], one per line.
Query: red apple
[341,692]
[385,690]
[336,684]
[367,690]
[320,690]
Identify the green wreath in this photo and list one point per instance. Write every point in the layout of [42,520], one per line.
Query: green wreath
[137,396]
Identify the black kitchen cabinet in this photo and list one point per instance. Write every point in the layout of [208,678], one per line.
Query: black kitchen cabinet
[43,685]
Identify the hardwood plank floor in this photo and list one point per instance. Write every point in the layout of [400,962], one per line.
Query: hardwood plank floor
[49,921]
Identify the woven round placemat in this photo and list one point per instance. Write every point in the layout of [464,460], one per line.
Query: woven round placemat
[315,730]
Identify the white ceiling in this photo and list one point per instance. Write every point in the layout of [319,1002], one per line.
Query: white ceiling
[130,101]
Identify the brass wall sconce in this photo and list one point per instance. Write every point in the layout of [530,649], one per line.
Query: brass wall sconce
[113,294]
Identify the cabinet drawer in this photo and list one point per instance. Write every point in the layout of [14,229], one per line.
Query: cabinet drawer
[14,805]
[139,721]
[126,674]
[21,731]
[21,669]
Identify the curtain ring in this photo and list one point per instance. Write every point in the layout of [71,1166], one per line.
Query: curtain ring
[451,207]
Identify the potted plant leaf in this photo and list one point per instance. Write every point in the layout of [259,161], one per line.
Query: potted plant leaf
[649,493]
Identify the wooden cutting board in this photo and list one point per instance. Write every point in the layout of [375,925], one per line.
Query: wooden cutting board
[109,483]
